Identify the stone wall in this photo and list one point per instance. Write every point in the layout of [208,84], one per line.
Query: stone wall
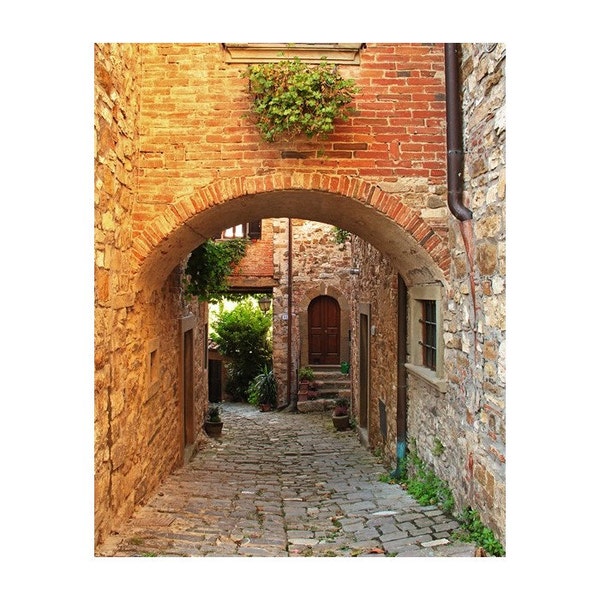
[476,326]
[138,337]
[461,432]
[117,112]
[376,286]
[319,266]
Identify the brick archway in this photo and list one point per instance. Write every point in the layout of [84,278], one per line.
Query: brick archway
[361,207]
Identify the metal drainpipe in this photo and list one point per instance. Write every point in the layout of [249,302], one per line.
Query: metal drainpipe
[454,135]
[289,309]
[455,160]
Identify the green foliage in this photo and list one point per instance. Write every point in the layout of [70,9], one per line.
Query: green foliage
[291,98]
[473,530]
[387,478]
[306,374]
[243,336]
[340,236]
[214,413]
[209,266]
[263,388]
[341,407]
[423,484]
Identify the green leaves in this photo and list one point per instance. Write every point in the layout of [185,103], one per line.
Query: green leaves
[243,336]
[423,484]
[473,530]
[209,265]
[291,98]
[263,388]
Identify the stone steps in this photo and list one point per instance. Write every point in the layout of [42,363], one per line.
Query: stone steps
[331,385]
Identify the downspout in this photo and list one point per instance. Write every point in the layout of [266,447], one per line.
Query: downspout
[455,158]
[289,315]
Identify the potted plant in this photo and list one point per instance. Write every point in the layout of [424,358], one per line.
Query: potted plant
[291,98]
[306,377]
[263,390]
[213,424]
[340,415]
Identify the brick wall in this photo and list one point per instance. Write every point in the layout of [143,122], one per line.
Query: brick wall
[194,125]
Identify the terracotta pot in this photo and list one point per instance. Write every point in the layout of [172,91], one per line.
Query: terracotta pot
[341,422]
[213,428]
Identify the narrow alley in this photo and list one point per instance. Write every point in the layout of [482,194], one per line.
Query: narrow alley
[283,484]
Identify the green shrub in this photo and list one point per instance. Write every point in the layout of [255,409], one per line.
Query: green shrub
[263,388]
[243,337]
[306,374]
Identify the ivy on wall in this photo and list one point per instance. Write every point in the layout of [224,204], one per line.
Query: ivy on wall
[209,266]
[291,98]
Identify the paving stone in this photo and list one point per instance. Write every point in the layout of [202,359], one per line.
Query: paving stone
[285,485]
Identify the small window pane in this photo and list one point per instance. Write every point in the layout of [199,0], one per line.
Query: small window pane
[429,335]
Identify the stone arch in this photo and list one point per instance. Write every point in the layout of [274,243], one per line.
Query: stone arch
[323,289]
[359,206]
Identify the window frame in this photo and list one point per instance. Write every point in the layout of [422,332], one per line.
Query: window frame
[251,230]
[251,53]
[417,364]
[428,341]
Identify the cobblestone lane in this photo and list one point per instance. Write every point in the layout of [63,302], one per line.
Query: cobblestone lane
[283,484]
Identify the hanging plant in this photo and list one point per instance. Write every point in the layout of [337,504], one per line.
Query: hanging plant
[341,236]
[209,266]
[292,98]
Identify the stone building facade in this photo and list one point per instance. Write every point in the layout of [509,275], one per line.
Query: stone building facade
[458,425]
[177,161]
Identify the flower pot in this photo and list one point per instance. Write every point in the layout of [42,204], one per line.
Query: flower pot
[265,407]
[213,428]
[341,422]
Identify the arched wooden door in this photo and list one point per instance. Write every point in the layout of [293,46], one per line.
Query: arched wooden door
[324,331]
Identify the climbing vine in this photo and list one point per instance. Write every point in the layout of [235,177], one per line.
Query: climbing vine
[291,98]
[209,266]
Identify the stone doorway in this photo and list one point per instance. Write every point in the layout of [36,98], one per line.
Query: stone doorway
[324,331]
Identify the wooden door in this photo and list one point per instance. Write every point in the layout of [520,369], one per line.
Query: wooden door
[188,387]
[363,370]
[324,331]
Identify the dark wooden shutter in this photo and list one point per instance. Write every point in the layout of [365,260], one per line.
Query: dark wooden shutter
[254,230]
